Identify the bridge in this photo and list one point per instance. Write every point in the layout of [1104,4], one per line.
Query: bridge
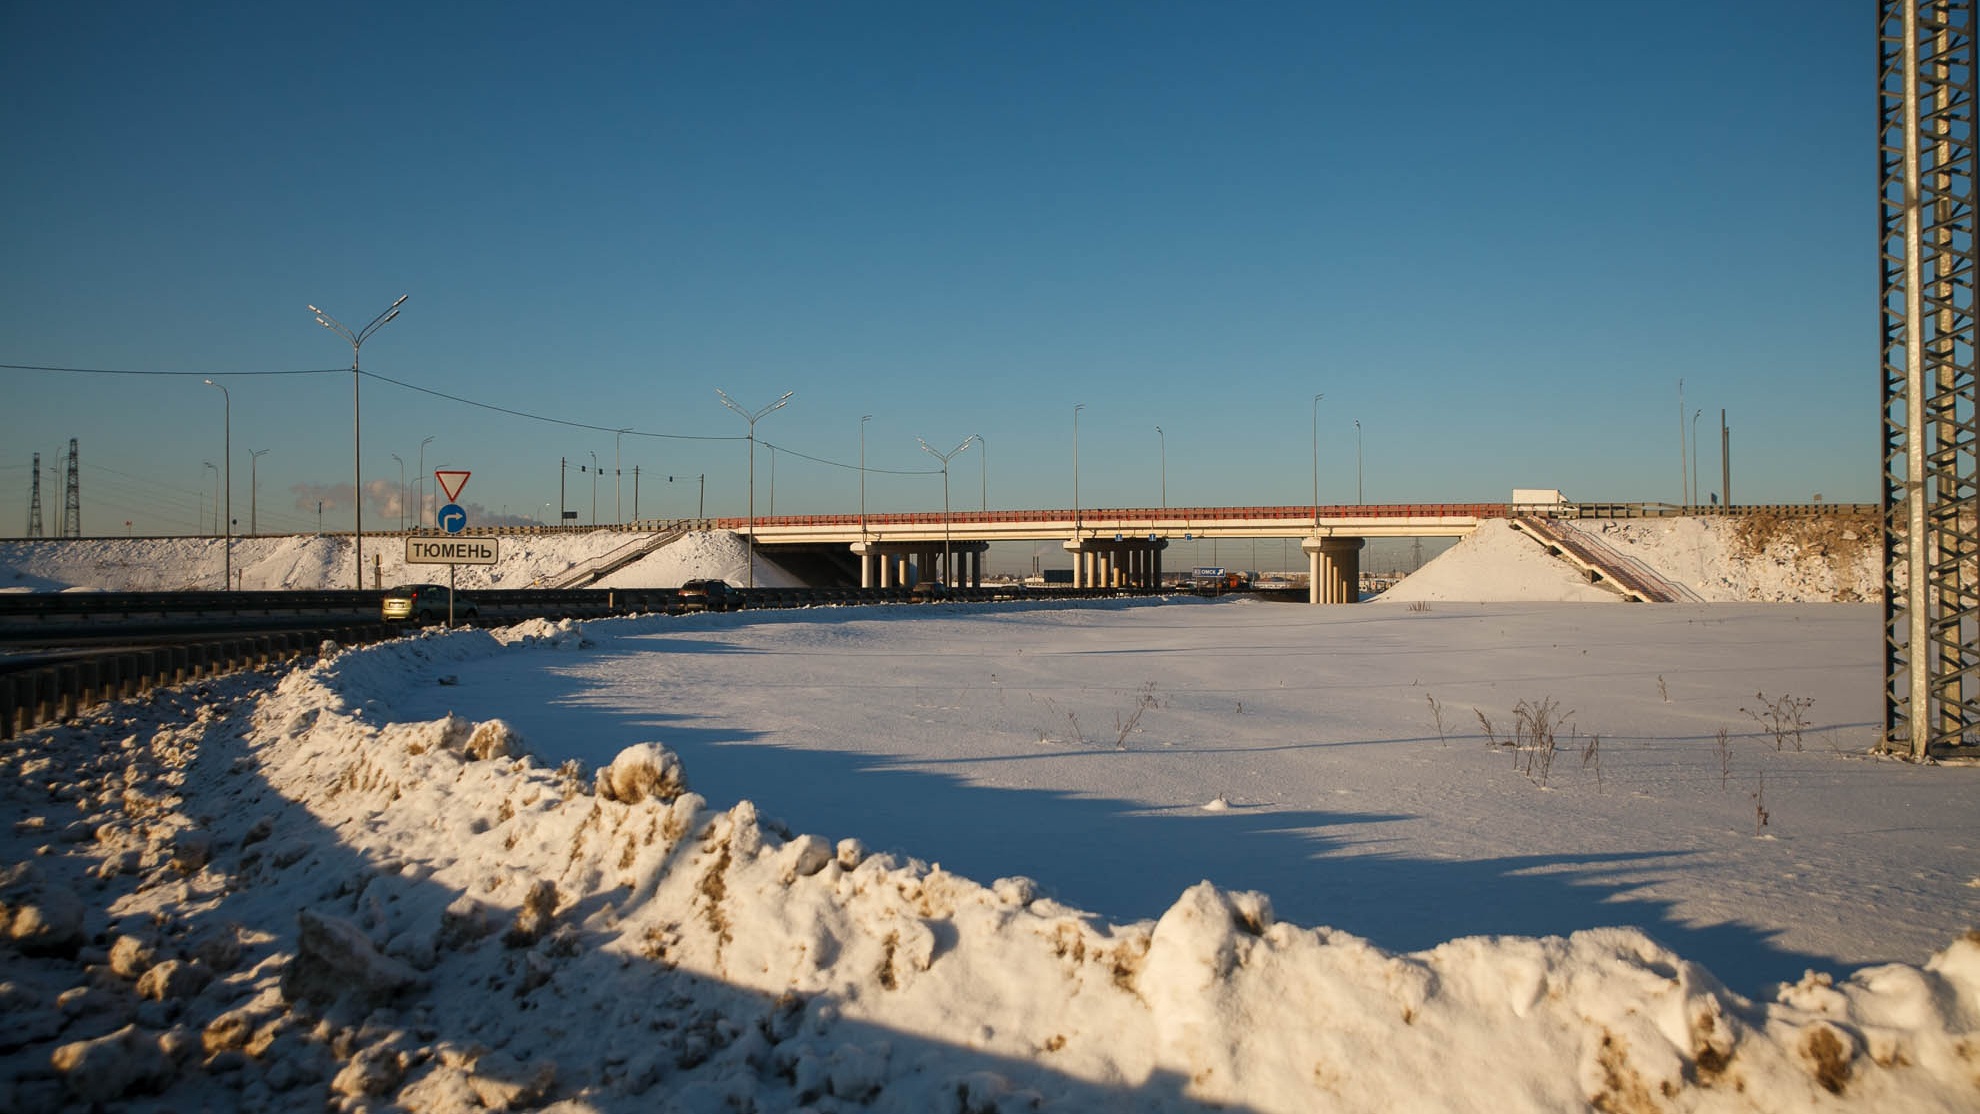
[1114,547]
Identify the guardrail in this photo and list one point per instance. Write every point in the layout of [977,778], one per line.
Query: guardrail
[59,692]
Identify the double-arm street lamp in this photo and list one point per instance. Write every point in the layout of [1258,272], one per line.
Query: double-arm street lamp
[357,340]
[227,456]
[948,573]
[751,417]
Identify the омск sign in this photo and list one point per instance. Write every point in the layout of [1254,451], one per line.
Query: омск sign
[452,551]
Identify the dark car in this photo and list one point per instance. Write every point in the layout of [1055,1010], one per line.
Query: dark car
[425,603]
[928,591]
[705,595]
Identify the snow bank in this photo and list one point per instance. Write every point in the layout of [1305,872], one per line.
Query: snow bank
[1760,559]
[314,561]
[1494,564]
[366,912]
[1753,559]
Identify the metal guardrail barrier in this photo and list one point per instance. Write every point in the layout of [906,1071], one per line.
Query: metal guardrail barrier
[59,692]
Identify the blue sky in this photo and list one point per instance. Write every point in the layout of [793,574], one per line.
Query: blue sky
[1495,234]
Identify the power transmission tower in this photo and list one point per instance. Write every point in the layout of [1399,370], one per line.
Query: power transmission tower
[34,500]
[1926,156]
[72,497]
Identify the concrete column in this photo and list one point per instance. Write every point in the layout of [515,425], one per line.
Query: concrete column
[868,554]
[1334,564]
[1078,550]
[1155,580]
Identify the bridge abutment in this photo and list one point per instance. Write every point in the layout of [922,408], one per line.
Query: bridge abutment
[1333,569]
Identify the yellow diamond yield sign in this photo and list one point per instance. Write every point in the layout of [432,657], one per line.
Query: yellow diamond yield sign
[452,483]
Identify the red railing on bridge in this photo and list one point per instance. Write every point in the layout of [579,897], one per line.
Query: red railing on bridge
[1186,514]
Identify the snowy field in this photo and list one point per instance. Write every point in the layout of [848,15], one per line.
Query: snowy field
[261,893]
[1426,855]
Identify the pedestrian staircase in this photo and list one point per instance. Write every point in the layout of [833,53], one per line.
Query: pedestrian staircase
[591,572]
[1600,563]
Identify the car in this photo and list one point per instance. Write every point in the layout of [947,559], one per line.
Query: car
[425,603]
[705,595]
[928,591]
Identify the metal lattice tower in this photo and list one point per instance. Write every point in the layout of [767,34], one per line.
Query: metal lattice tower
[1926,162]
[34,500]
[72,496]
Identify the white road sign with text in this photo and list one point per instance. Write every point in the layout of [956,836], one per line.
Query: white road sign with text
[452,551]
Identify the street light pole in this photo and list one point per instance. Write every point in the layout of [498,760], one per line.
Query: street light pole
[863,419]
[402,488]
[751,417]
[212,527]
[1163,440]
[1357,463]
[618,482]
[357,340]
[227,457]
[1684,480]
[983,477]
[1694,455]
[254,490]
[948,567]
[419,487]
[1316,464]
[1076,411]
[594,487]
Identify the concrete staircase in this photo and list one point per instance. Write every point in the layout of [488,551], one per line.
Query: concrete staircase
[1601,564]
[592,571]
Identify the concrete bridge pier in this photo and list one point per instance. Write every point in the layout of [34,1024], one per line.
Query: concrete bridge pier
[1124,563]
[900,564]
[1333,569]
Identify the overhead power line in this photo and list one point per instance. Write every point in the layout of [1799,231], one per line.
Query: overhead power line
[525,414]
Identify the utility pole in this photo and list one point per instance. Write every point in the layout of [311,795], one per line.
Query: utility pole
[563,466]
[72,496]
[34,500]
[1926,226]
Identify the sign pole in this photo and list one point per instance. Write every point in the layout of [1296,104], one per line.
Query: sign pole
[450,597]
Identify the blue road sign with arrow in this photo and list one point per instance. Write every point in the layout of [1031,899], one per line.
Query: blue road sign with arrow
[452,518]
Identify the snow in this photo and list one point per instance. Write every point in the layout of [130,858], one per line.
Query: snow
[311,561]
[1167,855]
[1496,563]
[1396,918]
[1757,559]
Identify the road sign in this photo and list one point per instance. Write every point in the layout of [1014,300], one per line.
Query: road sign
[451,518]
[452,483]
[452,551]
